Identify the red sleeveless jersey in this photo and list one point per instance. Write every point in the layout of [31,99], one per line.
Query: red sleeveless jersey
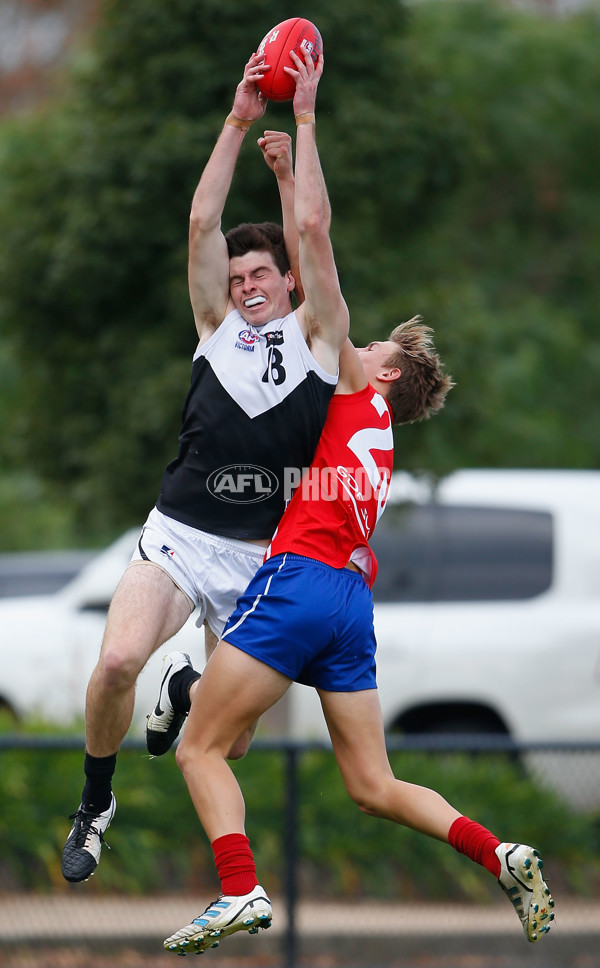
[341,496]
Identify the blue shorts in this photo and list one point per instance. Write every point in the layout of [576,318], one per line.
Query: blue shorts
[312,622]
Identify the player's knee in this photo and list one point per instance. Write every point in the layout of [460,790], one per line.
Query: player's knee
[366,805]
[368,797]
[117,670]
[182,756]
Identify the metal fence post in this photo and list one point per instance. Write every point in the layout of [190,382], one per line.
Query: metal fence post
[291,853]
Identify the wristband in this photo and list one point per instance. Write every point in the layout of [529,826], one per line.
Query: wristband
[238,122]
[308,118]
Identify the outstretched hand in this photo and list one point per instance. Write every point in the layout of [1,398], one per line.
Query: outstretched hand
[276,147]
[248,103]
[307,76]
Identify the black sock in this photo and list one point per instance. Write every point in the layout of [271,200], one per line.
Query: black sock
[179,688]
[97,791]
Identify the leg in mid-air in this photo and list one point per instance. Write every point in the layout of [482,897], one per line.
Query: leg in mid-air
[147,609]
[177,687]
[213,725]
[356,728]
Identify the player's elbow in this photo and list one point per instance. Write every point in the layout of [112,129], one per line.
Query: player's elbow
[313,225]
[202,223]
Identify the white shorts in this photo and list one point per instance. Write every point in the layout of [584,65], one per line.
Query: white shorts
[210,570]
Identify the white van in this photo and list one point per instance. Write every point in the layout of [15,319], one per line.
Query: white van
[487,616]
[487,612]
[49,643]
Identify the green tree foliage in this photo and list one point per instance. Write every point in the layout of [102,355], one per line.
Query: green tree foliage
[516,283]
[460,150]
[97,196]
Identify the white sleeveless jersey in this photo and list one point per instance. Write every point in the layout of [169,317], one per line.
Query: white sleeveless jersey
[251,422]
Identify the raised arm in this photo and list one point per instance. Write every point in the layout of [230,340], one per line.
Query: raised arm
[208,268]
[276,147]
[323,316]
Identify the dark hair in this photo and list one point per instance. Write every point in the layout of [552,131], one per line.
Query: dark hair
[421,388]
[259,237]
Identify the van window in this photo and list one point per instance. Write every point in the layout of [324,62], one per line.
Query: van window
[39,572]
[437,553]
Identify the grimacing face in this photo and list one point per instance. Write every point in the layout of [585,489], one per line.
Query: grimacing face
[258,290]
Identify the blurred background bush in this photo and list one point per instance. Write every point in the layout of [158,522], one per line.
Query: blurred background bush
[159,846]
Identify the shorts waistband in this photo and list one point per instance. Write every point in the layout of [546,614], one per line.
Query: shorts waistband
[351,570]
[233,544]
[216,540]
[352,567]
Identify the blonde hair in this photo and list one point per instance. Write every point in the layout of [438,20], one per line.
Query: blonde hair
[421,388]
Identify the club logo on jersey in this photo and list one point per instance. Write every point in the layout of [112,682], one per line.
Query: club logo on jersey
[274,339]
[246,340]
[242,484]
[168,552]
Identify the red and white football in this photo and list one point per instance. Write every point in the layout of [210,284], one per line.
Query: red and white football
[295,34]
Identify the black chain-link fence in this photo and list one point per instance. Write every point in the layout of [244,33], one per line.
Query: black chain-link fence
[347,889]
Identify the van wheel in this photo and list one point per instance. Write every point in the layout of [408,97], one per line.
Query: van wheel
[464,725]
[450,718]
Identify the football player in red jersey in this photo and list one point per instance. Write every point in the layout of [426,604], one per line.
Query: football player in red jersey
[307,616]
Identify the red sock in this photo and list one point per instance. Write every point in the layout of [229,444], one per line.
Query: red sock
[235,864]
[473,840]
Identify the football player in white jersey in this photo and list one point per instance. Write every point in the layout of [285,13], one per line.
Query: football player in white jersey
[207,566]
